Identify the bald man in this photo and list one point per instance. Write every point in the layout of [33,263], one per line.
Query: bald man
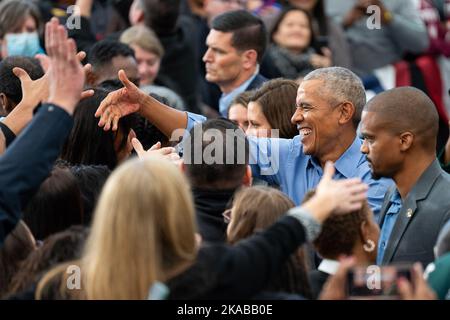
[400,128]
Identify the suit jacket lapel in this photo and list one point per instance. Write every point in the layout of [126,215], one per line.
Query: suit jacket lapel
[404,217]
[384,206]
[419,192]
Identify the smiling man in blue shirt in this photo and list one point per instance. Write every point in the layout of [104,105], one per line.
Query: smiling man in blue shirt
[329,106]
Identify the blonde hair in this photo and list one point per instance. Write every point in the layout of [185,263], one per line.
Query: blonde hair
[143,227]
[144,38]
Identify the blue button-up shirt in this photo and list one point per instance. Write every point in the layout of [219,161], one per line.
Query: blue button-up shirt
[395,205]
[282,162]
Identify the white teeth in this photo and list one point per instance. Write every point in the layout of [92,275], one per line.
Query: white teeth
[305,132]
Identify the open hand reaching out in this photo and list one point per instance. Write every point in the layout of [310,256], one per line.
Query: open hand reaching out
[119,103]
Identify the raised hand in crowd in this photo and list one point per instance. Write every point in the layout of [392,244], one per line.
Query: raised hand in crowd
[168,153]
[130,99]
[36,91]
[336,196]
[359,10]
[66,74]
[46,65]
[120,103]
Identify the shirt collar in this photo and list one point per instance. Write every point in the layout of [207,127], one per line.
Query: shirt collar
[348,161]
[396,198]
[329,266]
[227,98]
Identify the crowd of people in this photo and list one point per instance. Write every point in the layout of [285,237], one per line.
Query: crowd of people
[224,149]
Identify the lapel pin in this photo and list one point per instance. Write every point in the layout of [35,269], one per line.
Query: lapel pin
[409,213]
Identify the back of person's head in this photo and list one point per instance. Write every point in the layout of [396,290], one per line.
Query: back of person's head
[442,246]
[89,144]
[407,109]
[276,98]
[10,86]
[55,206]
[161,15]
[143,37]
[104,55]
[340,85]
[58,248]
[216,155]
[249,32]
[16,248]
[90,179]
[254,210]
[13,14]
[341,233]
[143,230]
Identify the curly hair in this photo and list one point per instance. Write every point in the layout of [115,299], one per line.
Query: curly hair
[340,233]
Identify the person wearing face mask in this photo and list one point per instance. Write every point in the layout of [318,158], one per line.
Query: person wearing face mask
[20,23]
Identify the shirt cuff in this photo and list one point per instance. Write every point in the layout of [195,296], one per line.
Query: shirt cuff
[311,225]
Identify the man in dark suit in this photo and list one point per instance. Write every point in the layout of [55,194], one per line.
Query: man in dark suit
[400,129]
[236,45]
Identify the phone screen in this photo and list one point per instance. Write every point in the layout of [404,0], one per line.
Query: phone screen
[376,282]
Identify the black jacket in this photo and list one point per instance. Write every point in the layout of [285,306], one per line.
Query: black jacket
[241,271]
[209,206]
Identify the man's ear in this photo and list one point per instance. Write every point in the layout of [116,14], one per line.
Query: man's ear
[3,104]
[406,140]
[140,17]
[347,110]
[248,178]
[6,104]
[250,59]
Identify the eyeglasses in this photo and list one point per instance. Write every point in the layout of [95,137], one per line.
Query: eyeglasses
[227,216]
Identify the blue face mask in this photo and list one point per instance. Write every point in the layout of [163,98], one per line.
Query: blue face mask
[23,44]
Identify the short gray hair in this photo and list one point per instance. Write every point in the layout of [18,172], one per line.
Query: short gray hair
[339,85]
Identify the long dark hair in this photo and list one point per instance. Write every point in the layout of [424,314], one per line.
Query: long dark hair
[58,248]
[89,144]
[255,209]
[277,100]
[280,18]
[16,248]
[56,205]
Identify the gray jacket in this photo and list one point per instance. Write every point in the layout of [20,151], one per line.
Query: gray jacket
[424,212]
[372,49]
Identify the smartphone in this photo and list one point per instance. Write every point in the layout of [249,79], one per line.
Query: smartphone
[377,282]
[321,41]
